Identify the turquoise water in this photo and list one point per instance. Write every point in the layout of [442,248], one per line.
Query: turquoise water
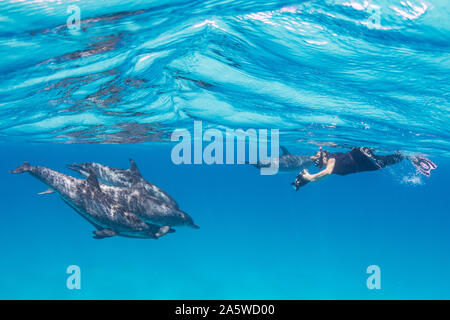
[325,73]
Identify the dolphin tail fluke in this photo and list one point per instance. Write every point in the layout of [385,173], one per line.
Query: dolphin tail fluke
[25,167]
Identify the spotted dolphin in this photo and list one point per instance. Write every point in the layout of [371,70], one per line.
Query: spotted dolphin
[287,162]
[137,199]
[149,208]
[98,207]
[123,178]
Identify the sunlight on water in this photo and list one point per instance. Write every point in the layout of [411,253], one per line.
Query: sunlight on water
[343,73]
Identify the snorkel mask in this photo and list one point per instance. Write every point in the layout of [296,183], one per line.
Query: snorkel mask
[318,160]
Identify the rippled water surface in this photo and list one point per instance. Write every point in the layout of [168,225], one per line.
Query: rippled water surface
[324,72]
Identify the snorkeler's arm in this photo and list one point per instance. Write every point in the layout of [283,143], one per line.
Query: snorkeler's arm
[322,174]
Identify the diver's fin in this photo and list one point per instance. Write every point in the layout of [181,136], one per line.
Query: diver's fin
[25,167]
[92,180]
[423,165]
[104,233]
[284,151]
[48,191]
[133,167]
[163,230]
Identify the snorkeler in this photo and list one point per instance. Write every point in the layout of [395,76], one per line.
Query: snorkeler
[357,160]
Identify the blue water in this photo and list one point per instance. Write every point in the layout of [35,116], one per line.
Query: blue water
[322,72]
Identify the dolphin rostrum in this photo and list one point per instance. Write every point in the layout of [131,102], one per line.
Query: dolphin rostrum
[287,162]
[123,178]
[98,207]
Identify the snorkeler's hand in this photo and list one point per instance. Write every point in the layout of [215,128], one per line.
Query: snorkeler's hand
[306,175]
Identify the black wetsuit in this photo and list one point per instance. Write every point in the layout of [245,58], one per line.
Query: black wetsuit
[361,159]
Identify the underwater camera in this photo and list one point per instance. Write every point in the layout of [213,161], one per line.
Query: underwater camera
[299,182]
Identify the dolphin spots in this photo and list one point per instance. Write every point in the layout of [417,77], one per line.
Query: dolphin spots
[123,211]
[127,178]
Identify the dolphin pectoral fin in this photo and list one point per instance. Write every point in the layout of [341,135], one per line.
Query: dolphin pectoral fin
[163,231]
[104,233]
[48,191]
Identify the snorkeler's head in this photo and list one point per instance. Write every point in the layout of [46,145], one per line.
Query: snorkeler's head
[320,158]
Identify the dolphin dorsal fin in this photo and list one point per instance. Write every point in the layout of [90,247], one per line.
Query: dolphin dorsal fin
[284,151]
[92,180]
[133,167]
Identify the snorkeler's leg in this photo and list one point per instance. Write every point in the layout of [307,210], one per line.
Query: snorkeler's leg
[388,160]
[380,161]
[422,164]
[369,152]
